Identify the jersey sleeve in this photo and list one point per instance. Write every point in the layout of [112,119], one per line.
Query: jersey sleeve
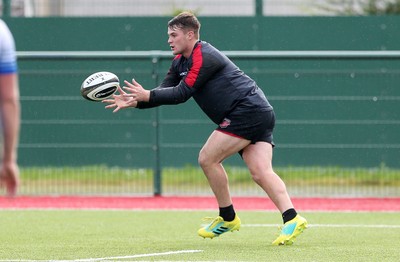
[203,66]
[8,61]
[171,79]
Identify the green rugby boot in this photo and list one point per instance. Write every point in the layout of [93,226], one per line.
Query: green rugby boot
[290,231]
[218,226]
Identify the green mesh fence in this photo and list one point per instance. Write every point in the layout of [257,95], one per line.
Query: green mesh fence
[336,133]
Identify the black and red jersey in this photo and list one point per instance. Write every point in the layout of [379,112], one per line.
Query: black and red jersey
[217,85]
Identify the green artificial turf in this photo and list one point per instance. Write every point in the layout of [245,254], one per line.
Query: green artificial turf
[106,235]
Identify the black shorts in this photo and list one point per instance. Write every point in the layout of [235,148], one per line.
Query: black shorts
[254,125]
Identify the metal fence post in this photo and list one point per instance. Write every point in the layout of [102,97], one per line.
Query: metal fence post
[6,8]
[259,8]
[157,165]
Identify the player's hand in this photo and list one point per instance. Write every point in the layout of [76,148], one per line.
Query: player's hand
[9,176]
[120,101]
[136,91]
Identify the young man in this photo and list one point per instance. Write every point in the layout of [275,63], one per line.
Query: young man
[10,111]
[234,102]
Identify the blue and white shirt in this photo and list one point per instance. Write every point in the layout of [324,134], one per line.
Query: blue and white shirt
[8,60]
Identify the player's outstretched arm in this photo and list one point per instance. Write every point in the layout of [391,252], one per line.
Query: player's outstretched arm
[10,118]
[120,101]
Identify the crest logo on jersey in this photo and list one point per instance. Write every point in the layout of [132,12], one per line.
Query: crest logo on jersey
[225,123]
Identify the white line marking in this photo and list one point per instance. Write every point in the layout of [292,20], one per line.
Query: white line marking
[141,255]
[109,258]
[327,225]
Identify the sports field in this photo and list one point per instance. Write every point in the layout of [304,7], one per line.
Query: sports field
[120,234]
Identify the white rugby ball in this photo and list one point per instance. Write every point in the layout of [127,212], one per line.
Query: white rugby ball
[99,86]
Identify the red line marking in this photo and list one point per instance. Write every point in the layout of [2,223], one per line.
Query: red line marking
[195,203]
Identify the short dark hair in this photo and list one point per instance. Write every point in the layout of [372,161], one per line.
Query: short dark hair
[185,21]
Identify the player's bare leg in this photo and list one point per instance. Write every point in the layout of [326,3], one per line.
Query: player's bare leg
[258,158]
[218,147]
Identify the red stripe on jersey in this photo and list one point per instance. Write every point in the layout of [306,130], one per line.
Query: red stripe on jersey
[177,56]
[197,62]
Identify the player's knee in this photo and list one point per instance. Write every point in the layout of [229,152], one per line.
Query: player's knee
[204,159]
[259,176]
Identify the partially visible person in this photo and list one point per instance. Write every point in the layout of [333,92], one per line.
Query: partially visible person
[233,101]
[9,111]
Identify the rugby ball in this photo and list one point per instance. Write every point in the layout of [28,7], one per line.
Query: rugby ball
[99,86]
